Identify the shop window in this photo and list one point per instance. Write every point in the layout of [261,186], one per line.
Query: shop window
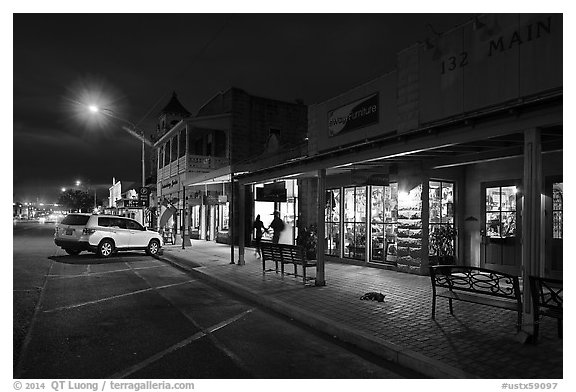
[441,211]
[195,218]
[224,217]
[332,222]
[355,222]
[501,212]
[384,222]
[557,210]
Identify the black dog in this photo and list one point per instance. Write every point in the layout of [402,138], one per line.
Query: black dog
[374,296]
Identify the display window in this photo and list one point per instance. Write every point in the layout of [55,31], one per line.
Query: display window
[557,210]
[441,213]
[384,223]
[332,222]
[355,222]
[288,209]
[501,211]
[195,217]
[224,217]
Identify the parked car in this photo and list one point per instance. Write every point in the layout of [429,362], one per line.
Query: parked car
[104,235]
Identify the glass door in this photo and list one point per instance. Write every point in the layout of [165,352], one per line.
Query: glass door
[501,225]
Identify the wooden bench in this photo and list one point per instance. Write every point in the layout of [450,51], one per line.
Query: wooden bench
[476,285]
[547,298]
[282,254]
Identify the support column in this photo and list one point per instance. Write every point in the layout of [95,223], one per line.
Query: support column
[232,213]
[241,222]
[320,276]
[531,218]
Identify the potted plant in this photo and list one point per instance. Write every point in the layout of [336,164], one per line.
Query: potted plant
[442,240]
[308,239]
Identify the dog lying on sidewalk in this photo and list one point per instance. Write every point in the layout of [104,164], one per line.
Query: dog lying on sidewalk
[373,296]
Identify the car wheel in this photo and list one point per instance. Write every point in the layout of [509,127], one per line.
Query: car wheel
[72,252]
[105,248]
[153,247]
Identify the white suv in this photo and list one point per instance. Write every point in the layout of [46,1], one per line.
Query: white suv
[104,234]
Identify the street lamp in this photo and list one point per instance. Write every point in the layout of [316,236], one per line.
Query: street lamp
[132,130]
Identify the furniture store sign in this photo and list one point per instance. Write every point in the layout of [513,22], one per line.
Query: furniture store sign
[354,115]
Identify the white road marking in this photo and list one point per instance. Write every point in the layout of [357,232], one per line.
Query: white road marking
[88,273]
[115,297]
[198,335]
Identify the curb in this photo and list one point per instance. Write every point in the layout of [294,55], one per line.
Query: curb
[389,351]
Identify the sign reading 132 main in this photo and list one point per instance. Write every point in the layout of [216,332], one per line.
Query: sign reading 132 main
[354,115]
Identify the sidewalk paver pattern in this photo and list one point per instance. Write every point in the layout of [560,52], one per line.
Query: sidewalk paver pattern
[477,342]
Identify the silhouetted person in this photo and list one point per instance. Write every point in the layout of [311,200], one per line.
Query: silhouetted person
[277,225]
[260,229]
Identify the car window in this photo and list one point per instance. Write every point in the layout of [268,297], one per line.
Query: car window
[121,223]
[133,225]
[76,220]
[105,221]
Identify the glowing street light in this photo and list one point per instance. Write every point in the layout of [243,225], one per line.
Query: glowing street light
[93,108]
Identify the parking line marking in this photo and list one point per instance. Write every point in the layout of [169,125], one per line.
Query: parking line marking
[198,335]
[87,274]
[24,349]
[114,297]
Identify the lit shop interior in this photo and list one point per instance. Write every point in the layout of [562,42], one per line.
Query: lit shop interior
[281,196]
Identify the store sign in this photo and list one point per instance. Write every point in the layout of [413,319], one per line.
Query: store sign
[354,115]
[223,199]
[272,192]
[369,178]
[144,197]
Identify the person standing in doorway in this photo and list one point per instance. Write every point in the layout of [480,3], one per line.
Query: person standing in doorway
[260,229]
[277,225]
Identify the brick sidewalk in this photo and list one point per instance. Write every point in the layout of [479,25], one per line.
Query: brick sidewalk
[478,342]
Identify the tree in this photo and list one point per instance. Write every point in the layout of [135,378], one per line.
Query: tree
[76,200]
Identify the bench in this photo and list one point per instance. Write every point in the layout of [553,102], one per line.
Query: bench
[547,298]
[282,254]
[476,285]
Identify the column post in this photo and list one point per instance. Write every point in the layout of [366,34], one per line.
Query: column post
[241,222]
[320,270]
[531,218]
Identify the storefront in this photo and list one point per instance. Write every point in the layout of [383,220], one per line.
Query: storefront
[281,196]
[455,156]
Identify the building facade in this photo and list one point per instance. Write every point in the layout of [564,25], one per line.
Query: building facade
[457,151]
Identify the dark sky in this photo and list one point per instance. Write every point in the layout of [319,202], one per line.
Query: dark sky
[132,62]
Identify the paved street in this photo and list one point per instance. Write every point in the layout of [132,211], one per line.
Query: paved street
[132,316]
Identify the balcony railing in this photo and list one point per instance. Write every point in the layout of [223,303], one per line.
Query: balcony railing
[191,163]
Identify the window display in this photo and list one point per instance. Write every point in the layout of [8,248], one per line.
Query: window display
[441,210]
[557,209]
[332,220]
[224,217]
[384,222]
[355,222]
[501,212]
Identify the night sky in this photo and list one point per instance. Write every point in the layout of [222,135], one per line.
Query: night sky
[131,63]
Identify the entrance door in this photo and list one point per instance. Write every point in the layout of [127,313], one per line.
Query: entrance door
[554,207]
[501,227]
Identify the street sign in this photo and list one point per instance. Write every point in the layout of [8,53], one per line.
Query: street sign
[144,197]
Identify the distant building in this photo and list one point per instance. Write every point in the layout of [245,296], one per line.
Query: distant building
[198,155]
